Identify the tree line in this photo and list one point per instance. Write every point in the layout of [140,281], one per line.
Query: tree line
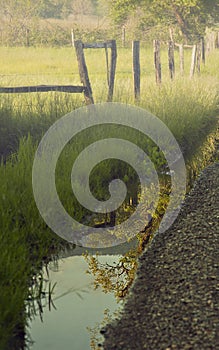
[46,8]
[187,19]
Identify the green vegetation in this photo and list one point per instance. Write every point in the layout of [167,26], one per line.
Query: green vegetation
[188,107]
[26,244]
[188,18]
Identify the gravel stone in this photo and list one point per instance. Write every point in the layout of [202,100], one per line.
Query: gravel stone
[174,302]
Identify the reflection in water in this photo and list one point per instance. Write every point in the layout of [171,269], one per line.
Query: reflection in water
[80,304]
[79,308]
[117,276]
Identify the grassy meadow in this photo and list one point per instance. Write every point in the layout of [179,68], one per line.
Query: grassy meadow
[189,107]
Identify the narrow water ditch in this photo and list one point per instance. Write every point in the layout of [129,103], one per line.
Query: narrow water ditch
[78,310]
[81,310]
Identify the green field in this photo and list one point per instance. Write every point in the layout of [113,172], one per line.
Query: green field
[188,107]
[177,103]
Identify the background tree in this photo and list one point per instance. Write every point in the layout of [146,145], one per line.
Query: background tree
[35,8]
[55,8]
[17,17]
[190,16]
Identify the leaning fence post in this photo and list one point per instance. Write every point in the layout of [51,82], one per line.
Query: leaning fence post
[83,71]
[171,59]
[157,62]
[112,70]
[192,69]
[136,67]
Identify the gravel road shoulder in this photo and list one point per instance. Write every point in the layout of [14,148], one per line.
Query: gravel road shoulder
[174,302]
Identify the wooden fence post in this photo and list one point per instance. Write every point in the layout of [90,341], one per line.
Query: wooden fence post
[199,54]
[217,40]
[207,45]
[123,36]
[107,65]
[27,37]
[213,41]
[181,58]
[83,71]
[203,49]
[171,59]
[136,68]
[210,42]
[171,33]
[112,70]
[72,37]
[192,69]
[157,62]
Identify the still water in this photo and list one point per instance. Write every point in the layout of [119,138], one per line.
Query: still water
[78,306]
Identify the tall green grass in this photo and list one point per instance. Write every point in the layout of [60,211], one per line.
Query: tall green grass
[26,242]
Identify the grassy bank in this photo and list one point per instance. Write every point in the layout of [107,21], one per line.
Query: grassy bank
[188,107]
